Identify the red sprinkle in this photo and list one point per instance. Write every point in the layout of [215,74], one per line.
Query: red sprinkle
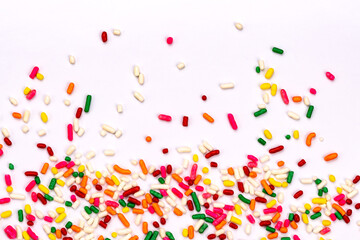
[7,141]
[313,91]
[204,97]
[301,163]
[41,145]
[169,40]
[298,194]
[276,149]
[212,153]
[104,37]
[78,112]
[165,151]
[185,121]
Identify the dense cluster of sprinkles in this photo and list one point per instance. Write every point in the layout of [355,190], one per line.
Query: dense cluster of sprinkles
[250,194]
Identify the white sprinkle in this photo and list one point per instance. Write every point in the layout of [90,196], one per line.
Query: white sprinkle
[108,128]
[17,196]
[103,133]
[227,85]
[67,102]
[118,133]
[180,66]
[141,79]
[248,229]
[136,71]
[70,150]
[5,132]
[13,101]
[119,108]
[72,59]
[261,106]
[25,129]
[116,32]
[306,101]
[47,100]
[293,115]
[266,98]
[239,26]
[81,132]
[109,152]
[261,65]
[41,132]
[26,116]
[183,149]
[90,155]
[138,96]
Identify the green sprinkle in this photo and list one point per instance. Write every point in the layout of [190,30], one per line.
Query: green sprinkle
[338,215]
[107,239]
[203,228]
[87,210]
[154,236]
[288,137]
[52,184]
[53,229]
[148,235]
[262,141]
[244,199]
[277,50]
[122,203]
[87,104]
[272,195]
[68,203]
[67,158]
[75,174]
[290,177]
[170,235]
[130,205]
[285,238]
[94,209]
[68,224]
[161,180]
[270,229]
[307,211]
[291,217]
[48,197]
[325,190]
[257,69]
[156,194]
[260,112]
[37,180]
[318,181]
[196,201]
[81,174]
[209,220]
[198,216]
[11,166]
[310,111]
[20,215]
[315,216]
[320,192]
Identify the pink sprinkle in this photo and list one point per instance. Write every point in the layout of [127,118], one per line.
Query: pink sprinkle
[252,164]
[177,192]
[330,76]
[166,238]
[206,195]
[10,232]
[31,94]
[96,202]
[232,121]
[111,203]
[151,209]
[184,186]
[70,165]
[279,209]
[252,158]
[30,217]
[269,210]
[163,171]
[34,197]
[30,186]
[229,207]
[169,40]
[342,202]
[32,234]
[250,218]
[8,180]
[278,225]
[210,213]
[218,220]
[325,231]
[286,223]
[193,171]
[61,164]
[284,96]
[313,91]
[163,192]
[70,132]
[218,210]
[1,152]
[73,198]
[48,219]
[4,200]
[296,237]
[339,197]
[164,117]
[34,72]
[333,217]
[199,188]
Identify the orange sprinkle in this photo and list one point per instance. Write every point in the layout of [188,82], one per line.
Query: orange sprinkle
[95,181]
[101,237]
[144,204]
[339,209]
[91,200]
[143,167]
[176,177]
[1,146]
[121,170]
[16,115]
[44,168]
[148,198]
[145,228]
[177,212]
[208,117]
[266,187]
[110,210]
[276,217]
[70,88]
[188,192]
[109,192]
[309,138]
[58,233]
[109,181]
[75,228]
[84,181]
[283,230]
[148,139]
[68,172]
[253,174]
[280,163]
[123,220]
[138,211]
[293,225]
[191,232]
[330,156]
[83,190]
[272,235]
[135,237]
[230,171]
[252,204]
[317,209]
[297,99]
[220,225]
[197,179]
[157,209]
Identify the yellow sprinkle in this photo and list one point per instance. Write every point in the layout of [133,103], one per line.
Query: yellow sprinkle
[273,89]
[205,170]
[27,91]
[195,158]
[9,189]
[54,170]
[319,200]
[271,203]
[238,210]
[307,206]
[267,134]
[98,174]
[284,184]
[339,190]
[60,218]
[39,76]
[52,236]
[235,220]
[43,189]
[6,214]
[60,210]
[125,209]
[326,223]
[207,181]
[269,73]
[185,232]
[60,182]
[114,234]
[265,86]
[274,182]
[44,117]
[332,178]
[296,134]
[305,218]
[25,235]
[27,209]
[115,180]
[81,168]
[263,238]
[228,183]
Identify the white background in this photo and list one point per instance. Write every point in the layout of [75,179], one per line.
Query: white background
[317,36]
